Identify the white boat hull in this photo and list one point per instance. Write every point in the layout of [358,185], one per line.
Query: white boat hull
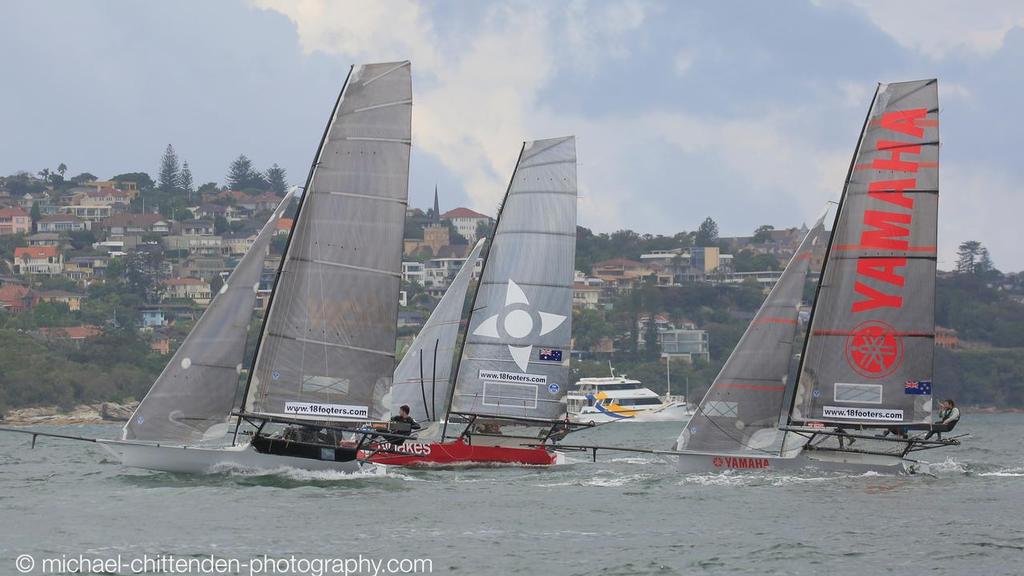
[675,412]
[824,460]
[202,460]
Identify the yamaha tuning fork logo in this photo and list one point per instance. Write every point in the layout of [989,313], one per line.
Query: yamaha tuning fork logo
[518,322]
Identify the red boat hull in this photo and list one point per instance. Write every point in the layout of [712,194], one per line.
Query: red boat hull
[458,452]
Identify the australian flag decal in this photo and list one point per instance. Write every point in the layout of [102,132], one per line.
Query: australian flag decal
[550,355]
[919,387]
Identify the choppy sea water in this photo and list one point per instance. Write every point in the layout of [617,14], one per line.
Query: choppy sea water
[625,514]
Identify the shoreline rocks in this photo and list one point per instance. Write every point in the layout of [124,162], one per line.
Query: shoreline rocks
[99,413]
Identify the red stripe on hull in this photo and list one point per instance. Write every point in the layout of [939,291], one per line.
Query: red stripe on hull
[458,452]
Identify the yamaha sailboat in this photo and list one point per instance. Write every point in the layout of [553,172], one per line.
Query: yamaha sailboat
[325,354]
[506,403]
[862,398]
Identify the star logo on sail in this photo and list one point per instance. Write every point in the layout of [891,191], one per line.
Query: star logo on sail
[518,323]
[874,349]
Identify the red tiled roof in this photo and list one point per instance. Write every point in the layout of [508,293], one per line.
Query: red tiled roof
[13,295]
[284,224]
[35,252]
[463,213]
[12,212]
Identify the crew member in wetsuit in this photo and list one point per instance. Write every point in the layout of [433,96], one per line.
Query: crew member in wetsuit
[949,415]
[404,418]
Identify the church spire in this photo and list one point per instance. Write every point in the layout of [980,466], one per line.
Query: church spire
[437,209]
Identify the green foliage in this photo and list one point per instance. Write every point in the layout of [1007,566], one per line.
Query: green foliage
[169,179]
[242,176]
[277,180]
[763,234]
[141,179]
[747,261]
[707,234]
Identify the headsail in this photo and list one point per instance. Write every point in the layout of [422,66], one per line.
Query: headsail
[197,389]
[515,361]
[740,412]
[871,338]
[423,377]
[327,348]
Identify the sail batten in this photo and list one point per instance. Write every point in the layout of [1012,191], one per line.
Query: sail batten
[871,339]
[515,360]
[327,347]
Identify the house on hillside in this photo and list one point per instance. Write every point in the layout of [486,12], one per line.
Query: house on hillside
[44,239]
[188,288]
[16,298]
[59,223]
[120,225]
[15,221]
[74,334]
[42,260]
[70,299]
[466,221]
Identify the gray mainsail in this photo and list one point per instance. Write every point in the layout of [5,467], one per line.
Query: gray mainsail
[515,361]
[193,396]
[740,412]
[423,377]
[327,349]
[868,355]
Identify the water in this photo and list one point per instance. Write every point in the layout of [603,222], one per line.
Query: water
[623,515]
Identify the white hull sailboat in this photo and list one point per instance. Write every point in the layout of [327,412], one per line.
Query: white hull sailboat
[861,400]
[316,390]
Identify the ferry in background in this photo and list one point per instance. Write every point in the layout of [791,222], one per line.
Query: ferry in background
[614,398]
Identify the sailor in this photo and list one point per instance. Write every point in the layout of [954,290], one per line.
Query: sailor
[406,424]
[949,415]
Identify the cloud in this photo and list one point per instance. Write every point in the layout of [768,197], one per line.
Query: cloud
[939,28]
[683,61]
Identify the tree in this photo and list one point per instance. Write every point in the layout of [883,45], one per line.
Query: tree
[242,176]
[588,327]
[185,181]
[220,225]
[141,179]
[967,257]
[763,233]
[276,179]
[61,169]
[707,234]
[83,178]
[168,180]
[36,215]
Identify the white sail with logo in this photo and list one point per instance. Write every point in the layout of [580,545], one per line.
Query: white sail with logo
[327,348]
[515,361]
[868,356]
[193,396]
[423,377]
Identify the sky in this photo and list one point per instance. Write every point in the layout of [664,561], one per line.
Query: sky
[744,111]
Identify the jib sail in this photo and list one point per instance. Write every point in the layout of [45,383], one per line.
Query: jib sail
[740,413]
[193,396]
[423,377]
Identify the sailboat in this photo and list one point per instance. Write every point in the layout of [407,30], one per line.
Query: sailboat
[505,403]
[866,362]
[326,348]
